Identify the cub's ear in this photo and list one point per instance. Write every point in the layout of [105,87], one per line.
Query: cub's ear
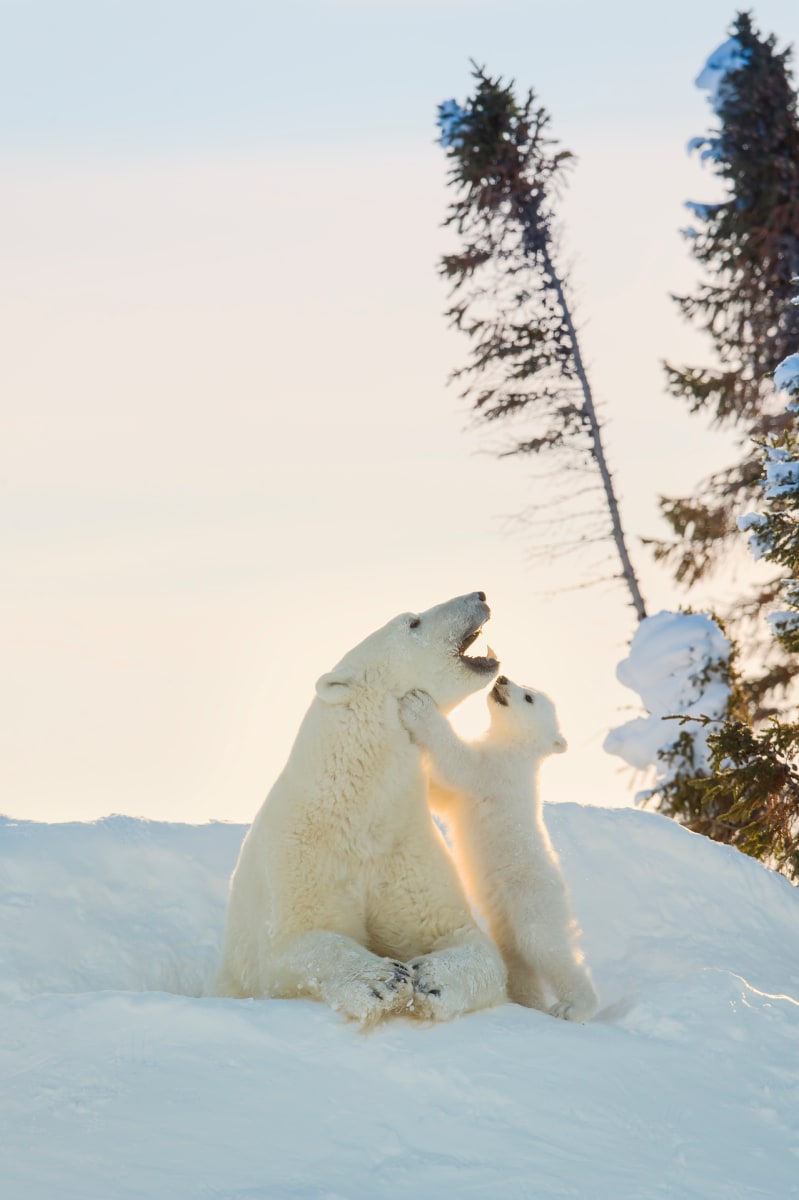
[560,745]
[337,687]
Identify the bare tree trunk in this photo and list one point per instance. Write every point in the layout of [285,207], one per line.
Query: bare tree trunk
[597,449]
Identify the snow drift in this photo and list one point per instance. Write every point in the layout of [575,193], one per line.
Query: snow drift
[121,1081]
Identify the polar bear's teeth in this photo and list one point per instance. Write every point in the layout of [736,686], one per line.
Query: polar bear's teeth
[477,660]
[468,642]
[483,651]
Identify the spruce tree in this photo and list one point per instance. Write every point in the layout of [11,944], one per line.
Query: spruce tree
[752,789]
[748,247]
[510,296]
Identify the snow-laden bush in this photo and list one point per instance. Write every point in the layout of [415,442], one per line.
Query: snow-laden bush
[679,664]
[755,768]
[723,768]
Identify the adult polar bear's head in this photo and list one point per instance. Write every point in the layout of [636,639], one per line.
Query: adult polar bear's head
[523,717]
[425,650]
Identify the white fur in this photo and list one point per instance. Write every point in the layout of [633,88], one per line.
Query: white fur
[344,891]
[488,793]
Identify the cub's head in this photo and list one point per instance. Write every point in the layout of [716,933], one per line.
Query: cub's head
[428,651]
[522,716]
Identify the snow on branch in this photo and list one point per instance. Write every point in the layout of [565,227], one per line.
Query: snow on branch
[774,533]
[679,665]
[451,118]
[786,379]
[714,76]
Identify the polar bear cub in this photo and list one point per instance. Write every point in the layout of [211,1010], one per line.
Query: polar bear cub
[487,791]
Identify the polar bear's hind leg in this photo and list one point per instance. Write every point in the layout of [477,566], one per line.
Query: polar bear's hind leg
[576,997]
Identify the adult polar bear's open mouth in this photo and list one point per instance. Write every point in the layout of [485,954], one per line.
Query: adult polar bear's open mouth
[486,663]
[446,635]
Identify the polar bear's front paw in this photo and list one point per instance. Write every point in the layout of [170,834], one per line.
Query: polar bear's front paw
[384,988]
[426,990]
[424,981]
[397,979]
[417,710]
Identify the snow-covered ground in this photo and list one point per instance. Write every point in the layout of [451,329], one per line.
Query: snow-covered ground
[119,1081]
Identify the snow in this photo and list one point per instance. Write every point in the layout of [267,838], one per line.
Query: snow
[667,650]
[677,664]
[751,521]
[782,622]
[726,59]
[86,907]
[714,79]
[786,378]
[703,211]
[758,543]
[708,145]
[450,118]
[782,473]
[121,1082]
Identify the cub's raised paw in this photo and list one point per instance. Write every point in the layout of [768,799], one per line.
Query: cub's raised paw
[416,709]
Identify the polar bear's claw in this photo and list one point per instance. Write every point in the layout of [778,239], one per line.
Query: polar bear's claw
[399,979]
[426,989]
[423,990]
[390,990]
[422,986]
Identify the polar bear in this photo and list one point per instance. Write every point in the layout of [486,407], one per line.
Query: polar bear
[487,791]
[344,890]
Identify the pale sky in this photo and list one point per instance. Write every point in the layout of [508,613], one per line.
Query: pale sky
[229,451]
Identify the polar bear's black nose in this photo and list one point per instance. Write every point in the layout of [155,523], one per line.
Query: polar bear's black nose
[481,596]
[502,679]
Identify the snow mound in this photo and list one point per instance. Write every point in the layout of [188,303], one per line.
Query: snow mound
[124,1083]
[120,903]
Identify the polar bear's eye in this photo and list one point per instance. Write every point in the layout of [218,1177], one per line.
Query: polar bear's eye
[414,623]
[528,698]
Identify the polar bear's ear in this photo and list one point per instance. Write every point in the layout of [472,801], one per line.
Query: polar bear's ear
[560,745]
[336,687]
